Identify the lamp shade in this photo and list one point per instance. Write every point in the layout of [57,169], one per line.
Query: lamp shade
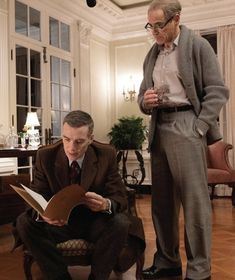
[32,119]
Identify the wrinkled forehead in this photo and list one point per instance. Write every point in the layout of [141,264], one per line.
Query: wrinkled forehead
[156,15]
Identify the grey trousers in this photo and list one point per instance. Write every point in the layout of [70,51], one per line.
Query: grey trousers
[179,177]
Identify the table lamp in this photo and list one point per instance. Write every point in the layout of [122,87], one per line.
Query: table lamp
[33,134]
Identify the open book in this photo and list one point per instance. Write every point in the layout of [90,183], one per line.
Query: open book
[59,206]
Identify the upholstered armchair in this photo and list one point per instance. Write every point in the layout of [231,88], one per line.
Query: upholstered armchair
[220,170]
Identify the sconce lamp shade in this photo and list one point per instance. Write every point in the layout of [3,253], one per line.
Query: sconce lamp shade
[32,120]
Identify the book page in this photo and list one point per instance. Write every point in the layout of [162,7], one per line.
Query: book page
[59,206]
[38,197]
[29,199]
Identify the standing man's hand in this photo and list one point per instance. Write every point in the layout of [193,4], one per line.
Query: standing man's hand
[150,100]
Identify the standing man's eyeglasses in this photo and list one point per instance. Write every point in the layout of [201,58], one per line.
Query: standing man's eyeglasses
[157,25]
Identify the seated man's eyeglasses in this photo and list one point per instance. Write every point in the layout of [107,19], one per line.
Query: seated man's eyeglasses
[157,25]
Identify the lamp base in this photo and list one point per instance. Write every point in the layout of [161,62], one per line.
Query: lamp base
[34,139]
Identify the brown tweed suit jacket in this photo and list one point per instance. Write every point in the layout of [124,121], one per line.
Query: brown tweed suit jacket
[99,174]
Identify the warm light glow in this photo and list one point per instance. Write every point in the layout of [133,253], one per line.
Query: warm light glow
[129,90]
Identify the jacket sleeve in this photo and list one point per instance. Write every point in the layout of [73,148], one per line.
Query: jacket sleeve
[114,187]
[211,89]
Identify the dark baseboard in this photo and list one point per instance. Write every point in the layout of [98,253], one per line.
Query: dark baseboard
[141,189]
[146,189]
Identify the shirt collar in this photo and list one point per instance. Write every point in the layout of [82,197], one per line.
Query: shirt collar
[175,43]
[79,161]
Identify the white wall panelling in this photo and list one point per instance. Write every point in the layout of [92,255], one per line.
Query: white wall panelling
[4,66]
[100,88]
[129,57]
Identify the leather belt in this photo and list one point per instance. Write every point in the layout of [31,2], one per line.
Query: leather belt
[175,109]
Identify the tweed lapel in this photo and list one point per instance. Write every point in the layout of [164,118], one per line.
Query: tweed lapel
[185,57]
[89,168]
[62,168]
[152,60]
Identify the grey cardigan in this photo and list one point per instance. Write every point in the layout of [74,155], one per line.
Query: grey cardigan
[200,75]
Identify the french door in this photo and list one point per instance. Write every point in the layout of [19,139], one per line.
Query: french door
[42,66]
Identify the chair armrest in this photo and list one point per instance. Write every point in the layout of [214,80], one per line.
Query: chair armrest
[218,156]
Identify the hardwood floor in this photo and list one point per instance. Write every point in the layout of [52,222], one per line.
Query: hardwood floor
[223,247]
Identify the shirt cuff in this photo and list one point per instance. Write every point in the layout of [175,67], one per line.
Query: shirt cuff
[109,207]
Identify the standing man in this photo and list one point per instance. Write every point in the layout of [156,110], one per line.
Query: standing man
[102,220]
[183,91]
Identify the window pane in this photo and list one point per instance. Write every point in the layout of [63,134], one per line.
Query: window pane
[55,123]
[55,69]
[21,118]
[21,60]
[35,66]
[54,32]
[65,73]
[35,93]
[55,96]
[21,90]
[34,24]
[63,114]
[21,18]
[65,97]
[65,37]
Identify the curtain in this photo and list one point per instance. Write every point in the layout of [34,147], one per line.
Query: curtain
[226,56]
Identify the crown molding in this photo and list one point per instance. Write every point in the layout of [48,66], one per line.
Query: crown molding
[112,23]
[202,17]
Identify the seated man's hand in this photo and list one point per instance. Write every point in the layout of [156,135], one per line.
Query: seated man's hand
[95,202]
[59,223]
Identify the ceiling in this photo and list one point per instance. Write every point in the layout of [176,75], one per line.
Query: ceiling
[127,4]
[125,19]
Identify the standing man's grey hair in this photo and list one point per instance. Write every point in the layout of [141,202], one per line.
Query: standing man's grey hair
[169,7]
[79,118]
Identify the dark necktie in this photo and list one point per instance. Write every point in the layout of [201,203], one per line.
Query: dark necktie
[75,172]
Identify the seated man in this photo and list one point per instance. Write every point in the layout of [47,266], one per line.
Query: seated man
[102,219]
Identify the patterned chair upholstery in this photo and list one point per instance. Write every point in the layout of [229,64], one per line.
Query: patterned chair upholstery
[78,251]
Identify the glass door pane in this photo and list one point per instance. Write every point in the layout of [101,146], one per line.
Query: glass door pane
[60,93]
[27,21]
[28,84]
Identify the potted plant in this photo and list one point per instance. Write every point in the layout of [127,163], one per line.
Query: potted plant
[128,133]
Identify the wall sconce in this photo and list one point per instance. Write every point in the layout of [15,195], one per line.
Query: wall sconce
[33,134]
[129,90]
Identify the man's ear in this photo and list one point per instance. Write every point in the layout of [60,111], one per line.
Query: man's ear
[91,139]
[177,18]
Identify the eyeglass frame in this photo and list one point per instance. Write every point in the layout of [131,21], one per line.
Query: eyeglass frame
[158,25]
